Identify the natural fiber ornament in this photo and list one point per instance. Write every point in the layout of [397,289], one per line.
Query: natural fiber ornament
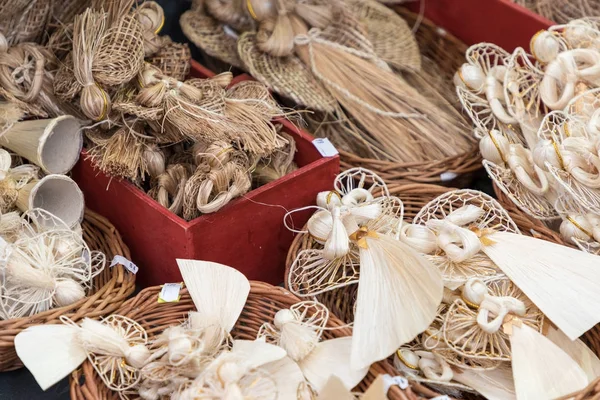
[244,372]
[116,347]
[173,59]
[485,73]
[571,161]
[544,265]
[89,29]
[29,24]
[211,36]
[151,17]
[578,351]
[12,180]
[278,164]
[388,267]
[298,330]
[120,154]
[383,23]
[220,186]
[170,187]
[47,270]
[25,79]
[250,107]
[57,194]
[120,55]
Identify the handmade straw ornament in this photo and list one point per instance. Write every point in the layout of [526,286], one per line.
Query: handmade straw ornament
[298,331]
[116,347]
[537,272]
[358,232]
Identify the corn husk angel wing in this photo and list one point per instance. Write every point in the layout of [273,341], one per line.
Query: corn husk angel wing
[335,390]
[211,36]
[540,268]
[568,153]
[383,24]
[219,294]
[274,72]
[578,351]
[457,266]
[521,91]
[115,346]
[298,331]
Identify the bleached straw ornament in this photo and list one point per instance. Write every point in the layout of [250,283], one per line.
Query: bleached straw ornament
[361,246]
[537,271]
[52,144]
[12,180]
[298,331]
[116,347]
[57,194]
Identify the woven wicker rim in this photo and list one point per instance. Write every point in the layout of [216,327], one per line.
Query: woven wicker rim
[111,288]
[264,301]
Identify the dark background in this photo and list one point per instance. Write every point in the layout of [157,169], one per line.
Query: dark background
[20,384]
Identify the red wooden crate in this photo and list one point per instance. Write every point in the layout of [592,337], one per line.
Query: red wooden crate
[247,234]
[495,21]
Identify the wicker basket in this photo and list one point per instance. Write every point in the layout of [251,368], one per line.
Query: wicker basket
[591,392]
[435,44]
[263,302]
[111,288]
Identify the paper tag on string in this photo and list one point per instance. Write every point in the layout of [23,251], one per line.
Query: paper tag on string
[170,293]
[129,266]
[399,381]
[448,176]
[442,397]
[325,147]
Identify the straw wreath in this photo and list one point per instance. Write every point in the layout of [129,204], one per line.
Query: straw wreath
[270,55]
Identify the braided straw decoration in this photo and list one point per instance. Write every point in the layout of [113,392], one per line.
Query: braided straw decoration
[28,24]
[111,288]
[263,302]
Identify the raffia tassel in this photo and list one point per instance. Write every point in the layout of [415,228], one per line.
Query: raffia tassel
[120,154]
[278,164]
[169,187]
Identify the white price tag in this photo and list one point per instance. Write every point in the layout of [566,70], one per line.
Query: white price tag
[230,32]
[447,176]
[325,147]
[169,293]
[129,266]
[399,381]
[442,397]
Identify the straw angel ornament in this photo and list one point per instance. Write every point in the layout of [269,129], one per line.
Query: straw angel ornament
[398,290]
[298,330]
[46,265]
[115,346]
[12,180]
[538,272]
